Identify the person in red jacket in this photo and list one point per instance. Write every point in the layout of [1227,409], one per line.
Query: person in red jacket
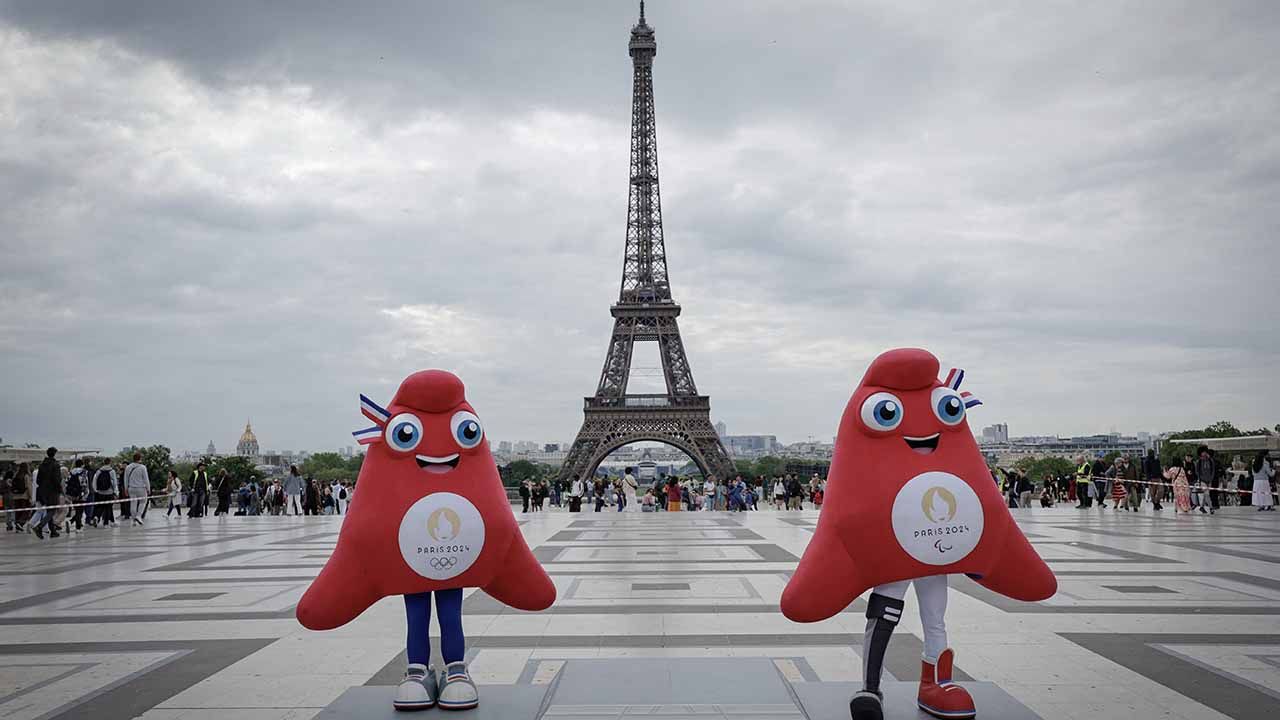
[431,518]
[909,500]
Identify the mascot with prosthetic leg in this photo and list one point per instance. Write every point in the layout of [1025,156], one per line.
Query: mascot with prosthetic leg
[909,501]
[431,517]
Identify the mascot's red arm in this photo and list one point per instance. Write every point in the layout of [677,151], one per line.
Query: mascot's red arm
[825,582]
[523,584]
[340,593]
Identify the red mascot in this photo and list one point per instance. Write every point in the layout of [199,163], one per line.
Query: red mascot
[910,500]
[430,518]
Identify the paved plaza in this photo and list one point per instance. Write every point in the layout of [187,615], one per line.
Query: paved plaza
[670,615]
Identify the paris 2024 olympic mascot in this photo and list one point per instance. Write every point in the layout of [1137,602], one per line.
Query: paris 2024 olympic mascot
[910,500]
[429,517]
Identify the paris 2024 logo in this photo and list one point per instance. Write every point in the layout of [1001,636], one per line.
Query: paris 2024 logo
[441,536]
[937,518]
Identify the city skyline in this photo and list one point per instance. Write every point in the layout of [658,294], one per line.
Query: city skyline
[199,229]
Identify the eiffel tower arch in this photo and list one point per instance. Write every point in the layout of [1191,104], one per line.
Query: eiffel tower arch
[645,312]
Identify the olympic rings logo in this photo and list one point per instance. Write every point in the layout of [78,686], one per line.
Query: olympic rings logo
[444,563]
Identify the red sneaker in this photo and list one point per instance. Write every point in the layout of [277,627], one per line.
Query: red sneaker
[939,696]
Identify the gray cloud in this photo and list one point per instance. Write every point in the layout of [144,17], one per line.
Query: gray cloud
[220,210]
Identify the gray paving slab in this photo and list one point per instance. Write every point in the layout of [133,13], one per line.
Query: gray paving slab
[497,702]
[671,681]
[830,701]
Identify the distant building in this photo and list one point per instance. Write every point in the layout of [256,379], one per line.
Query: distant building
[722,429]
[211,450]
[998,433]
[750,445]
[504,446]
[248,445]
[646,469]
[551,447]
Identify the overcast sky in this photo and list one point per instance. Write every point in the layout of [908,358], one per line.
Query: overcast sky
[218,210]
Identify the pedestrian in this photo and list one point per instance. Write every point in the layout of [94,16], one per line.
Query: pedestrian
[138,484]
[310,497]
[1154,474]
[77,486]
[326,500]
[48,493]
[708,494]
[334,491]
[173,488]
[293,490]
[222,488]
[1206,476]
[1133,489]
[1177,476]
[197,496]
[1100,481]
[105,489]
[629,487]
[1025,488]
[1263,472]
[673,494]
[575,494]
[6,496]
[525,494]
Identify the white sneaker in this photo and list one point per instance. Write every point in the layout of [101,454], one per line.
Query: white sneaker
[457,692]
[418,690]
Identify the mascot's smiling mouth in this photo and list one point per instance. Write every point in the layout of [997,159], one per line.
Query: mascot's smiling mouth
[922,445]
[437,464]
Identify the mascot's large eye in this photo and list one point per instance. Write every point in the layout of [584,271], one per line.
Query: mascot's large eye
[466,429]
[882,411]
[948,406]
[404,431]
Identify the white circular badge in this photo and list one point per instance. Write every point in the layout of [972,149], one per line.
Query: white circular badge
[441,536]
[937,518]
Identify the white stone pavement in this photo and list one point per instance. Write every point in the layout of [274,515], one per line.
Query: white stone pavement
[1157,616]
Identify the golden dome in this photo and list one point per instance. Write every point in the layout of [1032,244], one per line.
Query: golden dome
[247,436]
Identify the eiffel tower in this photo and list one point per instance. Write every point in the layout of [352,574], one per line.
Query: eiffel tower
[645,312]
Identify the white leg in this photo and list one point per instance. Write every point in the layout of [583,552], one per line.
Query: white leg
[931,593]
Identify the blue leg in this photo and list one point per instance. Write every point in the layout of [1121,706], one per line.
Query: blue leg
[453,644]
[417,610]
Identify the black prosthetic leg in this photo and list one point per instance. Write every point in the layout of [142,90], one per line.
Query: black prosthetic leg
[883,614]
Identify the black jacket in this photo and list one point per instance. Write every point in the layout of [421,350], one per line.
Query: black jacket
[49,482]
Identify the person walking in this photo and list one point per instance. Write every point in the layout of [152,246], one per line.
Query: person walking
[310,497]
[293,487]
[629,487]
[1263,473]
[1099,474]
[222,488]
[173,488]
[1133,489]
[77,486]
[1206,475]
[338,494]
[673,494]
[105,489]
[575,494]
[197,496]
[138,483]
[1025,488]
[6,496]
[525,495]
[48,493]
[709,494]
[1154,475]
[20,497]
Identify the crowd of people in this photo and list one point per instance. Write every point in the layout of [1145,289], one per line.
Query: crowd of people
[1199,483]
[57,498]
[673,493]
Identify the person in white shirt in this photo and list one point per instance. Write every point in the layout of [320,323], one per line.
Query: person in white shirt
[709,494]
[139,486]
[629,486]
[576,489]
[336,490]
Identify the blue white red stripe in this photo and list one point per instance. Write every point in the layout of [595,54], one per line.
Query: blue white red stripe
[368,436]
[970,400]
[374,411]
[954,378]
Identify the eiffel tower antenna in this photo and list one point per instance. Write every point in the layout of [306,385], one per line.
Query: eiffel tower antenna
[645,312]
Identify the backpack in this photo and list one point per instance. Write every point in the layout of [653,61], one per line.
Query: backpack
[102,481]
[74,487]
[342,494]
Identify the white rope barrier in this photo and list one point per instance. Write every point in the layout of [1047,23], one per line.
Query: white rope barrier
[86,503]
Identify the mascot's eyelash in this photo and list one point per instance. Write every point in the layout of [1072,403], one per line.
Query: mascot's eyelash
[378,415]
[954,378]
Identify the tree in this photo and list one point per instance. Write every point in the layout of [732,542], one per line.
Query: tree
[157,460]
[329,467]
[238,468]
[1171,452]
[518,471]
[1039,468]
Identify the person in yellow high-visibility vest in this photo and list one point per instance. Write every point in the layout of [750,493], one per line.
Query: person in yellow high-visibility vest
[1083,482]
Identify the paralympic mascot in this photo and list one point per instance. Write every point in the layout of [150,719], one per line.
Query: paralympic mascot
[910,500]
[430,518]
